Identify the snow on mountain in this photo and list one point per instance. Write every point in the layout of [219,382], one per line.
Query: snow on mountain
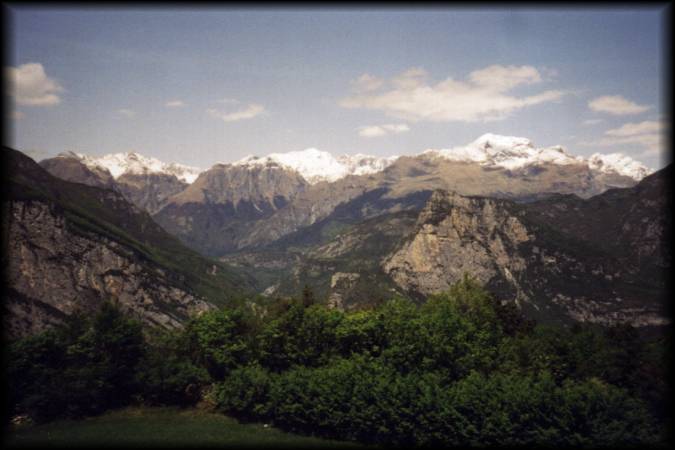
[361,164]
[515,152]
[134,163]
[316,165]
[620,163]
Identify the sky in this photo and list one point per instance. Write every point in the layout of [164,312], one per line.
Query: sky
[201,86]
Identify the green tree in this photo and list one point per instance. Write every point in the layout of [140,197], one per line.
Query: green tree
[77,369]
[221,340]
[167,374]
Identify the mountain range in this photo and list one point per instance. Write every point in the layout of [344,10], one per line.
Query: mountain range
[257,200]
[565,237]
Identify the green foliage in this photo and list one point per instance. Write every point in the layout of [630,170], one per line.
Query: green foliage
[83,368]
[300,335]
[360,332]
[167,373]
[461,369]
[362,399]
[245,393]
[219,340]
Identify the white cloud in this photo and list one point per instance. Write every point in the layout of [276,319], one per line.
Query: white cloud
[633,129]
[174,104]
[30,85]
[616,105]
[592,121]
[382,130]
[366,83]
[127,112]
[501,78]
[249,112]
[484,96]
[647,137]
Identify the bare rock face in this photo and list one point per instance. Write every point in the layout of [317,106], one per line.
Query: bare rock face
[456,236]
[54,272]
[216,212]
[149,191]
[550,257]
[69,247]
[69,167]
[339,282]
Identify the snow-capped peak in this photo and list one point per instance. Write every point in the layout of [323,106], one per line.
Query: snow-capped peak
[134,163]
[619,163]
[512,152]
[315,165]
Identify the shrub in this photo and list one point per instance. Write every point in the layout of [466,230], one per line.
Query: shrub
[220,341]
[167,374]
[81,368]
[300,335]
[245,393]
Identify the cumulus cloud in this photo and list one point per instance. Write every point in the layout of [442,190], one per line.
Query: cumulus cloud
[484,96]
[383,130]
[646,137]
[174,104]
[616,105]
[30,85]
[127,112]
[249,112]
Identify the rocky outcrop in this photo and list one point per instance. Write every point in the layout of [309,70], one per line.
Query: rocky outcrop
[456,236]
[54,272]
[548,256]
[69,246]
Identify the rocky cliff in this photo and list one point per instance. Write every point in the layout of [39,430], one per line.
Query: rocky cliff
[459,235]
[217,211]
[70,246]
[600,260]
[54,272]
[561,258]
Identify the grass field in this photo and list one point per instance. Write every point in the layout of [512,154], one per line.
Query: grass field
[160,427]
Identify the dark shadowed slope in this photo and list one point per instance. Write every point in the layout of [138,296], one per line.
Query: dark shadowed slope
[71,246]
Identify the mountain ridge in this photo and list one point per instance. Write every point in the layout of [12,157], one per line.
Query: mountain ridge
[316,166]
[72,246]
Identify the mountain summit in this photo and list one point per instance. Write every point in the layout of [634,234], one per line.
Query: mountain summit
[316,165]
[512,152]
[133,163]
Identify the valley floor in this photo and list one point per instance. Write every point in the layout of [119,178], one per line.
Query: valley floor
[160,427]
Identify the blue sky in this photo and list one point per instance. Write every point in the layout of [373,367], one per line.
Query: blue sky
[213,85]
